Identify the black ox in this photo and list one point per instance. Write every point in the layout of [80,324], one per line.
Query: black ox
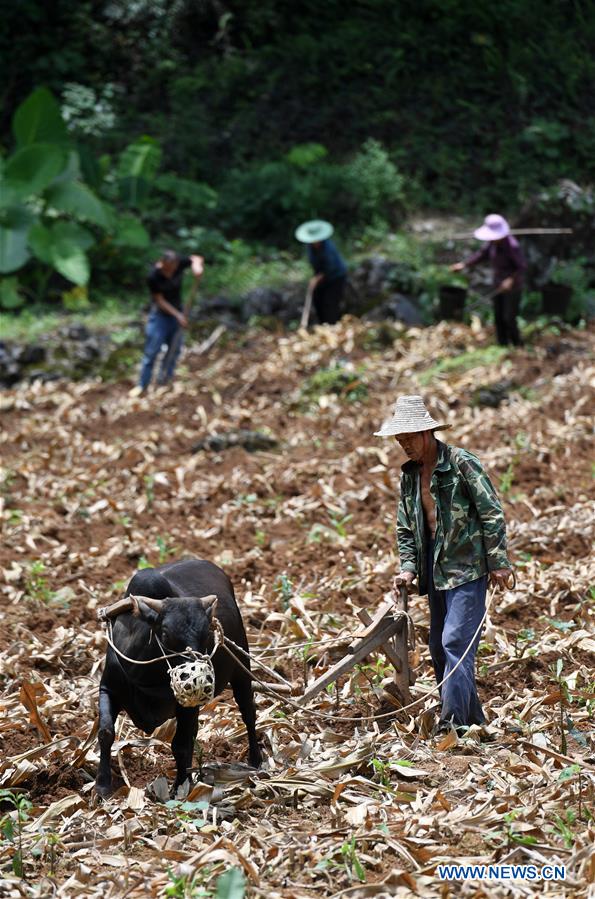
[168,605]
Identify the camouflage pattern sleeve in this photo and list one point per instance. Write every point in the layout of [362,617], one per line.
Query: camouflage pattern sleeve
[405,540]
[489,509]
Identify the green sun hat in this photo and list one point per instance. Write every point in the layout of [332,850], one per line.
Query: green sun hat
[314,231]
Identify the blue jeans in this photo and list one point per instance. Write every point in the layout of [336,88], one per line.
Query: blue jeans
[162,329]
[454,617]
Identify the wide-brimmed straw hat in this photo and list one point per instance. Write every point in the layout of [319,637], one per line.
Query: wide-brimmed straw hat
[314,231]
[494,227]
[410,416]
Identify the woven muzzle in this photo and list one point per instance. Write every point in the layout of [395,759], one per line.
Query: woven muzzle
[193,683]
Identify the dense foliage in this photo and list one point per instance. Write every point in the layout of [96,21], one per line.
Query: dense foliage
[267,113]
[442,83]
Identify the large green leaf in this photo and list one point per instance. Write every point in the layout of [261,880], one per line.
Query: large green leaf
[38,119]
[130,233]
[72,262]
[63,247]
[30,170]
[40,242]
[136,170]
[78,200]
[14,229]
[231,884]
[74,232]
[10,298]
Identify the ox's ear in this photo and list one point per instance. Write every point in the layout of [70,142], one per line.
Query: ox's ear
[209,604]
[147,608]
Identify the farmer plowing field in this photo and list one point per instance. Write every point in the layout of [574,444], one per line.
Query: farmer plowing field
[452,537]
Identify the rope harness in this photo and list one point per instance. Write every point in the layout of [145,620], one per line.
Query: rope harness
[193,681]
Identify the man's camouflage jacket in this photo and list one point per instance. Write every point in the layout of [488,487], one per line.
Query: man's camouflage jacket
[470,537]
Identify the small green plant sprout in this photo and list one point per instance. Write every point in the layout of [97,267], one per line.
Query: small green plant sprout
[515,837]
[190,883]
[522,441]
[284,587]
[14,517]
[165,549]
[563,825]
[507,480]
[565,698]
[338,522]
[260,537]
[244,499]
[36,585]
[564,626]
[49,847]
[307,657]
[335,533]
[149,482]
[523,559]
[381,771]
[522,639]
[347,859]
[190,815]
[11,826]
[351,860]
[185,884]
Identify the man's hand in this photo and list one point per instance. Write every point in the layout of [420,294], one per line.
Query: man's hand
[506,285]
[198,266]
[456,267]
[502,577]
[315,281]
[403,577]
[182,320]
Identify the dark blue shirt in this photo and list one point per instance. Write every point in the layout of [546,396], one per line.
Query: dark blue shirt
[327,260]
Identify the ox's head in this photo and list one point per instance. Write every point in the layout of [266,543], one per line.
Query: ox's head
[180,622]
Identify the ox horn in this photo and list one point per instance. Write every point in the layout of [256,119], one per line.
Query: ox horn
[155,604]
[208,602]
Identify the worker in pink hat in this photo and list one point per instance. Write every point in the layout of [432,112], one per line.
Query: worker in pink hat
[504,254]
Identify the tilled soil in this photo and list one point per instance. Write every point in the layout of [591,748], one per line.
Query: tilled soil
[97,481]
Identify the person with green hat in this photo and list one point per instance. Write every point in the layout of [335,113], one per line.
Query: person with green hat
[330,271]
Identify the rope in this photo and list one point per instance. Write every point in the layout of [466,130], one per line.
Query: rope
[188,653]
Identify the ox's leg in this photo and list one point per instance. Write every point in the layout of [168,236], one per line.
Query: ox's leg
[182,744]
[108,712]
[242,691]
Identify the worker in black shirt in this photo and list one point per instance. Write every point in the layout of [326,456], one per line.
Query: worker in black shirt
[166,320]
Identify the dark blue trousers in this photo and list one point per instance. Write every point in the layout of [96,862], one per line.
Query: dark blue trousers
[161,330]
[454,617]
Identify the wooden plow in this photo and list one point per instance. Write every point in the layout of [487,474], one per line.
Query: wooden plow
[388,631]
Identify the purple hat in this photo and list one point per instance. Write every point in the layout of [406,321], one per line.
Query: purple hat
[494,227]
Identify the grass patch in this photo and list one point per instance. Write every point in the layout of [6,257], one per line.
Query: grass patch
[31,323]
[464,362]
[337,380]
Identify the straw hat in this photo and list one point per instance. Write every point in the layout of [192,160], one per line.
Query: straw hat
[410,416]
[314,232]
[494,227]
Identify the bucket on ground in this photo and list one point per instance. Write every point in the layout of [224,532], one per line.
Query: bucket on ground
[452,302]
[555,299]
